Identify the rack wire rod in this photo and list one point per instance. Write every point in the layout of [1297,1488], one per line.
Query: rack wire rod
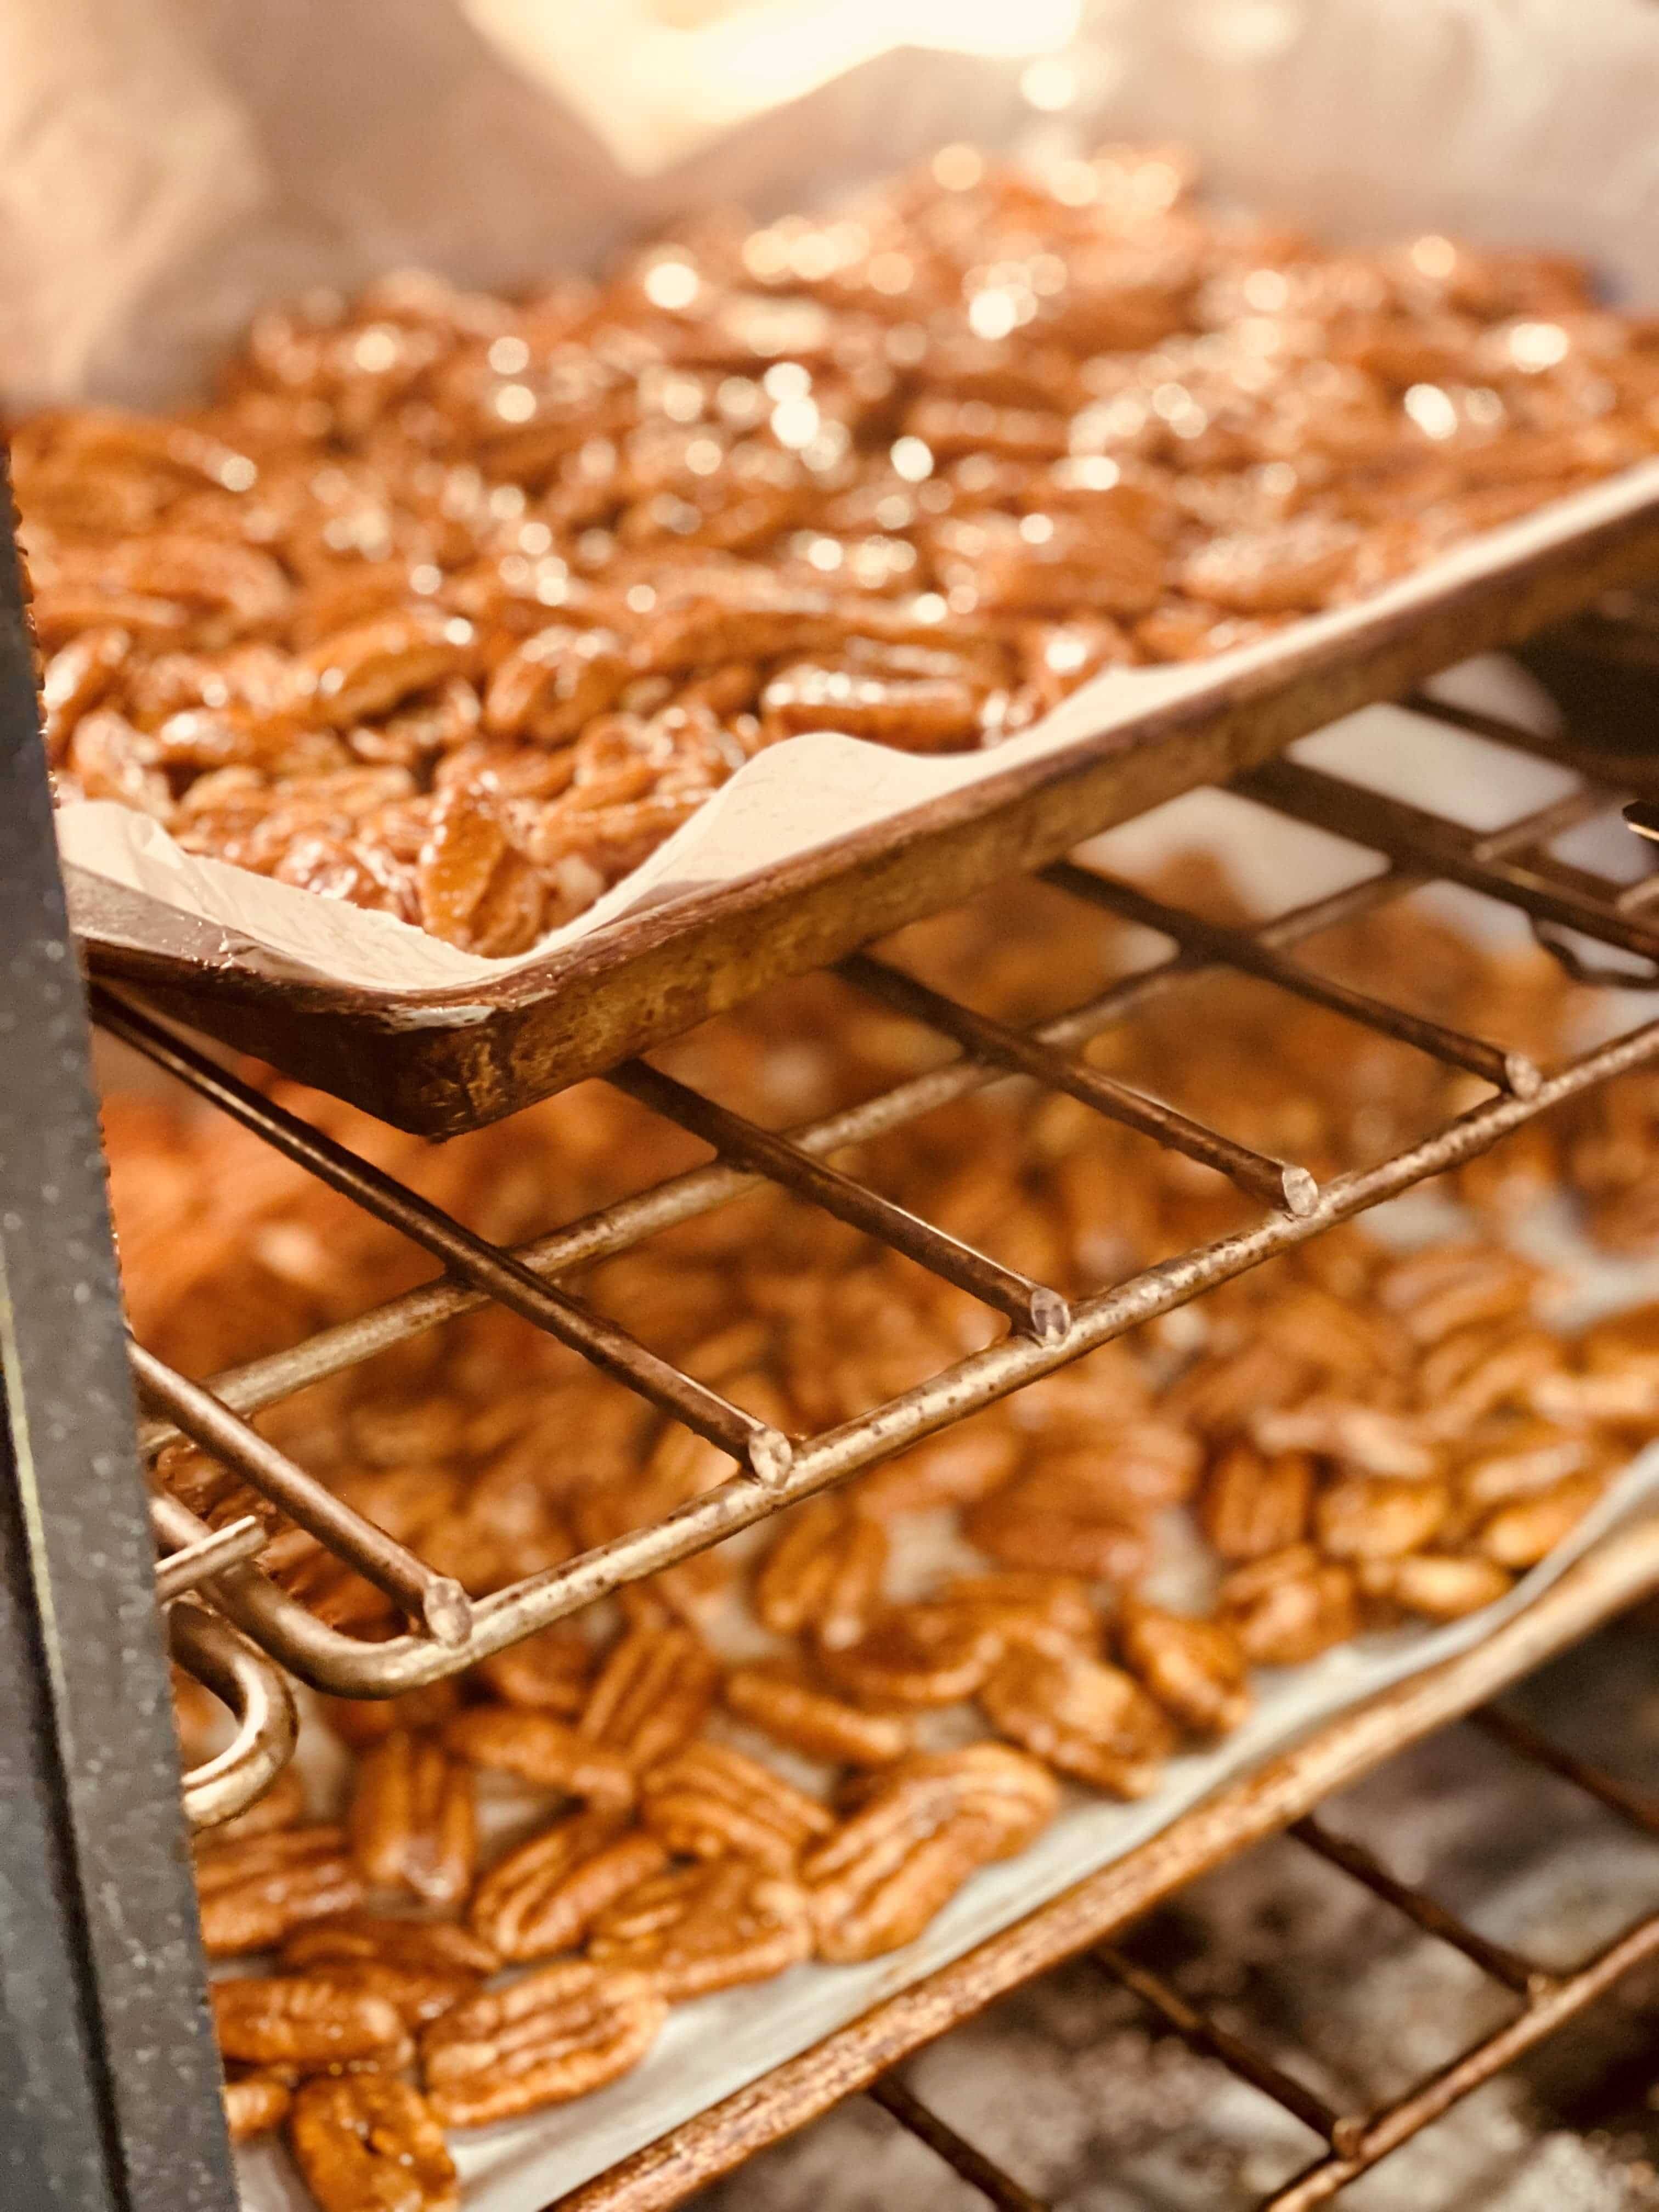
[437,1602]
[978,2171]
[1290,1189]
[198,1562]
[1240,2057]
[754,1444]
[1503,1965]
[1526,1743]
[1395,2123]
[1035,1310]
[1240,948]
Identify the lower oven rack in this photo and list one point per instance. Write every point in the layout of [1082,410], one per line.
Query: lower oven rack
[174,2154]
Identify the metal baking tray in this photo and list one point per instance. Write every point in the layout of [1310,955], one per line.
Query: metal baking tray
[438,1062]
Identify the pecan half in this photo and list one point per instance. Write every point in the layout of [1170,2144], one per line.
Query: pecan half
[1089,1720]
[558,2033]
[1255,1503]
[254,2105]
[540,1749]
[431,1946]
[653,1693]
[371,2144]
[252,1892]
[1374,1516]
[696,1929]
[778,1700]
[824,1574]
[306,2024]
[1061,1518]
[1289,1607]
[282,1806]
[542,1897]
[1519,1534]
[1370,1438]
[1455,1286]
[1196,1670]
[412,1822]
[1437,1584]
[926,1825]
[916,1655]
[549,1672]
[709,1801]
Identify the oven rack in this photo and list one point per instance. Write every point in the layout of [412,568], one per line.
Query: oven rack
[448,1631]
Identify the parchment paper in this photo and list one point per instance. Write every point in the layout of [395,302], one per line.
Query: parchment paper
[162,170]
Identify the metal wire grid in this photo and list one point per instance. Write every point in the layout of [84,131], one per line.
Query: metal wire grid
[1354,2142]
[448,1631]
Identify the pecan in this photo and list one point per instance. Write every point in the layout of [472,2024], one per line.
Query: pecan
[254,2105]
[709,1801]
[541,1750]
[1089,1720]
[1457,1286]
[423,1946]
[1059,1519]
[777,1699]
[370,2142]
[1254,1503]
[1290,1606]
[823,1573]
[253,1891]
[1052,1610]
[926,1825]
[653,1693]
[955,1467]
[698,1928]
[541,1897]
[412,1821]
[1196,1670]
[1475,1371]
[1435,1583]
[1374,1516]
[417,1993]
[1369,1439]
[305,2024]
[558,2033]
[914,1656]
[1272,571]
[1519,1534]
[1511,1459]
[548,1671]
[362,1720]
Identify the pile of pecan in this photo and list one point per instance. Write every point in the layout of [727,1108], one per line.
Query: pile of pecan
[455,606]
[796,1746]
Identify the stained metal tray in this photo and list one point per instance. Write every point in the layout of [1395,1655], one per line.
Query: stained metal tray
[438,1062]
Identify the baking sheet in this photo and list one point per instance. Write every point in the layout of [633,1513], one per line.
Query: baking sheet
[430,133]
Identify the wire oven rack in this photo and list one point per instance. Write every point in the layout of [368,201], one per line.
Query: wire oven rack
[448,1631]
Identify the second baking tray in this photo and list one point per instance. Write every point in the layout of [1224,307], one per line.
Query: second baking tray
[441,1061]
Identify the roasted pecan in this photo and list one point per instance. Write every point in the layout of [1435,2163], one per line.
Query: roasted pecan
[1377,1516]
[1475,1371]
[1290,1606]
[423,1946]
[709,1801]
[1511,1459]
[1089,1719]
[541,1897]
[1457,1286]
[370,2143]
[412,1821]
[824,1574]
[1063,1517]
[548,1671]
[1437,1584]
[927,1824]
[542,1750]
[1052,1610]
[1254,1503]
[282,1806]
[254,2105]
[1196,1670]
[698,1928]
[916,1656]
[362,1720]
[955,1467]
[1369,1439]
[253,1891]
[418,1994]
[1518,1535]
[559,2033]
[777,1699]
[653,1693]
[306,2024]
